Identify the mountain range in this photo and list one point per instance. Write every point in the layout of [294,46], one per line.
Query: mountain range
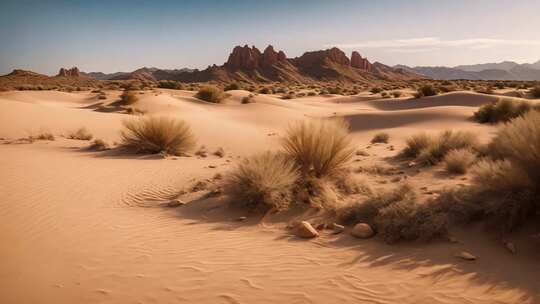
[506,70]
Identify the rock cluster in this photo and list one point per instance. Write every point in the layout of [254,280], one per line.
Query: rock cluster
[251,58]
[73,72]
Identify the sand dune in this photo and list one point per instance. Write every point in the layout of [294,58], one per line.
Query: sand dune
[74,230]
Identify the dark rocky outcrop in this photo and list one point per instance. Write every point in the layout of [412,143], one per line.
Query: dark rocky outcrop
[73,72]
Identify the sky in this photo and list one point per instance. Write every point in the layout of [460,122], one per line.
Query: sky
[111,36]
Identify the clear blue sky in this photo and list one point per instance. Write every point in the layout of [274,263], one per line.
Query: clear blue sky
[114,36]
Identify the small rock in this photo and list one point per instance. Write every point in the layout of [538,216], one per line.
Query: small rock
[362,231]
[219,152]
[423,188]
[241,219]
[212,166]
[465,255]
[511,247]
[395,179]
[337,228]
[305,230]
[411,164]
[175,203]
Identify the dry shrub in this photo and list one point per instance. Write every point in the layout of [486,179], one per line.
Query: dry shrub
[416,143]
[263,181]
[503,109]
[80,134]
[396,94]
[128,97]
[448,140]
[233,86]
[381,137]
[42,135]
[457,161]
[98,145]
[319,147]
[535,92]
[157,134]
[211,94]
[426,90]
[315,192]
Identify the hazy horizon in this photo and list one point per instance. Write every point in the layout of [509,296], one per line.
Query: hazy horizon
[125,35]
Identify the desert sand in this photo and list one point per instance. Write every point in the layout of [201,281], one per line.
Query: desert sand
[81,226]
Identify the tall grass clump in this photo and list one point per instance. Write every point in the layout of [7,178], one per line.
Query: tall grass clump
[263,181]
[416,143]
[319,147]
[157,135]
[502,110]
[457,161]
[211,94]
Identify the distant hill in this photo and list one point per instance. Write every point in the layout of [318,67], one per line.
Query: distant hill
[506,70]
[21,79]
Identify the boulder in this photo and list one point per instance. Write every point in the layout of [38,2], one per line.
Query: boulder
[305,230]
[362,231]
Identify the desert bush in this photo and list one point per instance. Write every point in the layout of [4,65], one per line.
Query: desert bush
[535,92]
[396,94]
[335,90]
[247,99]
[384,94]
[503,109]
[157,135]
[376,90]
[42,135]
[444,142]
[232,86]
[265,90]
[170,84]
[98,145]
[319,147]
[80,134]
[457,161]
[426,90]
[381,137]
[288,96]
[416,143]
[128,97]
[263,181]
[211,94]
[311,93]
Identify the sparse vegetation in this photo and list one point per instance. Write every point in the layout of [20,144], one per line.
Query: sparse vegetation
[425,91]
[457,161]
[396,94]
[381,137]
[157,135]
[535,92]
[247,99]
[98,145]
[319,147]
[376,90]
[80,134]
[502,110]
[432,149]
[263,181]
[211,94]
[170,84]
[232,86]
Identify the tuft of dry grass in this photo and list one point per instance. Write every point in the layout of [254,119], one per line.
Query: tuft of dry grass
[43,135]
[416,143]
[157,134]
[381,137]
[263,181]
[211,94]
[80,134]
[319,147]
[431,150]
[457,161]
[98,145]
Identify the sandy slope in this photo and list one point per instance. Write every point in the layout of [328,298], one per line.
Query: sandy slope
[73,229]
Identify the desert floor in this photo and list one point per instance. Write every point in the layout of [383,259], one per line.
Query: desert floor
[78,226]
